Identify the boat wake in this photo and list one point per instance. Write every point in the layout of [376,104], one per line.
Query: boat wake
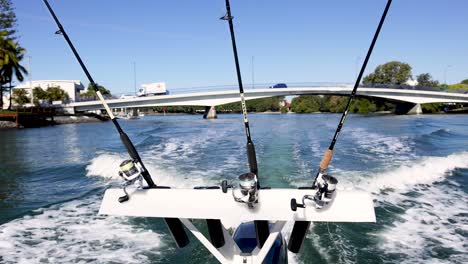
[421,211]
[74,233]
[106,166]
[433,223]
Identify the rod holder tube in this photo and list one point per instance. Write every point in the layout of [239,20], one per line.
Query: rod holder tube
[215,229]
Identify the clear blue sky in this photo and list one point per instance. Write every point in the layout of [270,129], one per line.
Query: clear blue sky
[184,44]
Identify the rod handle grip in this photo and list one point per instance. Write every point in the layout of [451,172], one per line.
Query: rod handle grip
[326,159]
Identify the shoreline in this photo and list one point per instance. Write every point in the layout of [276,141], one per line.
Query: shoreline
[63,120]
[79,119]
[58,120]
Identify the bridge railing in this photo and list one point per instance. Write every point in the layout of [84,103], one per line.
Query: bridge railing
[250,86]
[417,87]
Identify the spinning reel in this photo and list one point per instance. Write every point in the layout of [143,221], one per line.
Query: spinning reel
[130,171]
[246,191]
[325,187]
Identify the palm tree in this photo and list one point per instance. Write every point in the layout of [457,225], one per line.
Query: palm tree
[10,56]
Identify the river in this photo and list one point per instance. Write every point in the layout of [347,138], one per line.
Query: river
[416,167]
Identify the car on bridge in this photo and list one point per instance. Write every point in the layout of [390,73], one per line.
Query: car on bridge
[279,85]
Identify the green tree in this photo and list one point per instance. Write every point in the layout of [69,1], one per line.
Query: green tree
[39,94]
[391,73]
[56,94]
[10,56]
[256,105]
[20,96]
[432,108]
[425,79]
[90,91]
[264,104]
[7,19]
[337,104]
[306,104]
[464,82]
[457,86]
[7,31]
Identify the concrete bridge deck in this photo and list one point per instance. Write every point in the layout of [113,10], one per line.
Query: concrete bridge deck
[215,98]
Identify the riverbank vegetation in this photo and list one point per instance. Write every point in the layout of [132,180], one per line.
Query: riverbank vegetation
[337,104]
[397,73]
[257,105]
[51,94]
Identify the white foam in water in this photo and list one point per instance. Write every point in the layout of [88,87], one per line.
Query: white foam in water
[403,178]
[434,218]
[426,171]
[180,148]
[435,221]
[434,215]
[74,233]
[383,146]
[107,166]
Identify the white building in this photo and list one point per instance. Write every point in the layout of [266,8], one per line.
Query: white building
[72,87]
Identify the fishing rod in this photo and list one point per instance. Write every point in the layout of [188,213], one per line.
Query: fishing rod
[261,227]
[250,146]
[325,184]
[129,170]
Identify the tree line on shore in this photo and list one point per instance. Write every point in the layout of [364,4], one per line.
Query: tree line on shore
[255,105]
[391,74]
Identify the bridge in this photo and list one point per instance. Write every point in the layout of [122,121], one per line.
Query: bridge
[409,100]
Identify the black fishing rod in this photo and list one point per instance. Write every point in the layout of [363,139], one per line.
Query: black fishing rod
[123,136]
[261,227]
[300,227]
[250,146]
[174,224]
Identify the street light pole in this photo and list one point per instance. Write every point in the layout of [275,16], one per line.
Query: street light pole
[253,73]
[30,79]
[445,73]
[356,66]
[134,77]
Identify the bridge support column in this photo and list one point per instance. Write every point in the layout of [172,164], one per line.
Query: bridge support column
[135,112]
[408,109]
[210,112]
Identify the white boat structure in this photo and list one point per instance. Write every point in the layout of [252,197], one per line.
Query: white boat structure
[211,204]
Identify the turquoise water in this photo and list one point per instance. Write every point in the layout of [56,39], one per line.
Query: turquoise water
[52,180]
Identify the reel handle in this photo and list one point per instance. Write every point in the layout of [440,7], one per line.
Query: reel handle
[225,186]
[124,198]
[295,205]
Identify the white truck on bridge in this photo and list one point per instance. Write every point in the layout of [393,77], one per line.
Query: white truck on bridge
[158,88]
